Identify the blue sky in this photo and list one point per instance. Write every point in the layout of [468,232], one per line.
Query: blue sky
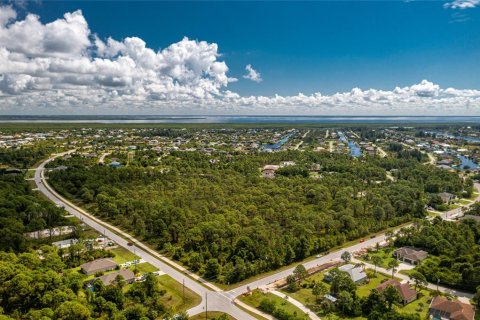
[303,47]
[306,47]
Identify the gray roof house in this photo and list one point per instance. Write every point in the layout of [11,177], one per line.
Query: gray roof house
[98,265]
[64,243]
[107,279]
[356,273]
[410,255]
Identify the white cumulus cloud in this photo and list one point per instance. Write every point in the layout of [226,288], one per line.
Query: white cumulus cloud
[462,4]
[252,74]
[62,66]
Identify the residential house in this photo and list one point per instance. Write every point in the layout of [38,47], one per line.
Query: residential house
[268,171]
[370,150]
[443,309]
[98,265]
[356,273]
[408,294]
[410,255]
[447,198]
[64,243]
[107,279]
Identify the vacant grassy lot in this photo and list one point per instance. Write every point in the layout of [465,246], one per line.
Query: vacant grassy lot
[143,268]
[305,295]
[384,254]
[122,255]
[256,297]
[174,296]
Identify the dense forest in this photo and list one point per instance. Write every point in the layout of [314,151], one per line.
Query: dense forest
[223,220]
[454,250]
[23,158]
[23,210]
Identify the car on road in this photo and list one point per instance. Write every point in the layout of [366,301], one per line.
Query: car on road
[318,256]
[362,240]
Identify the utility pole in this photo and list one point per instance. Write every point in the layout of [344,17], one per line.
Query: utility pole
[206,307]
[183,291]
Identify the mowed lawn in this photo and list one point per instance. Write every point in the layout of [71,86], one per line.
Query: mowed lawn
[384,254]
[174,295]
[122,255]
[305,295]
[256,297]
[419,306]
[143,268]
[375,280]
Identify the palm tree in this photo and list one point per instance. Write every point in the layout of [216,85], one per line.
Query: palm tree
[393,264]
[361,264]
[376,260]
[388,236]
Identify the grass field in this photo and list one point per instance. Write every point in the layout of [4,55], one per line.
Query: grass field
[173,297]
[304,295]
[432,214]
[384,254]
[256,297]
[375,280]
[30,174]
[419,306]
[143,268]
[122,255]
[211,315]
[474,195]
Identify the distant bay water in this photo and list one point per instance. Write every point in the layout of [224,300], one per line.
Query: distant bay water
[139,119]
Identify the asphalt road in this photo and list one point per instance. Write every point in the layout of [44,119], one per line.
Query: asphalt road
[217,299]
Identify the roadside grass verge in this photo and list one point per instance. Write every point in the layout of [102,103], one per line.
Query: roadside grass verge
[256,297]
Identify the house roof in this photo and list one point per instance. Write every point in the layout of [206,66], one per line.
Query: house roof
[109,278]
[456,309]
[404,289]
[411,253]
[271,167]
[63,243]
[98,264]
[355,273]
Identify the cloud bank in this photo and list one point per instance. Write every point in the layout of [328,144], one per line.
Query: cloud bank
[62,66]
